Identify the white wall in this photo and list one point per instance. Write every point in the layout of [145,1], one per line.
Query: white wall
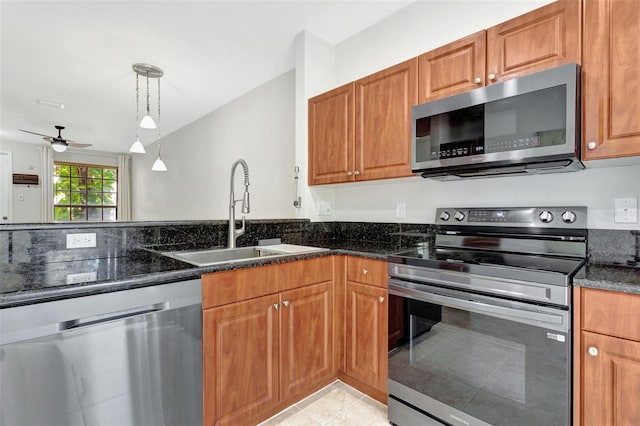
[27,199]
[258,126]
[420,27]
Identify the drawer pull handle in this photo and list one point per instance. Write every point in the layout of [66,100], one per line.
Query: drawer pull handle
[364,271]
[285,303]
[593,351]
[276,306]
[380,299]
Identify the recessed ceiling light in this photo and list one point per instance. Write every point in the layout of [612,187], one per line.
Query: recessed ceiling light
[50,103]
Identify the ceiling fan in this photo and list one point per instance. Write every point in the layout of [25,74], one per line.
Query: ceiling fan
[58,143]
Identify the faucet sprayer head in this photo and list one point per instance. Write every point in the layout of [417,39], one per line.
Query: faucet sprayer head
[245,202]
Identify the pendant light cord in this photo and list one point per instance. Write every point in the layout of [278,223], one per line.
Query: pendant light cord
[137,103]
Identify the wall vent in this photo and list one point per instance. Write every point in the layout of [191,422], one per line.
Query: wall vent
[23,179]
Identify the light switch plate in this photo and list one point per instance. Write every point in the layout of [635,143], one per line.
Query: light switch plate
[401,210]
[323,208]
[626,210]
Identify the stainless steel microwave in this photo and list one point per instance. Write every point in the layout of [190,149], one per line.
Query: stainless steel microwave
[527,125]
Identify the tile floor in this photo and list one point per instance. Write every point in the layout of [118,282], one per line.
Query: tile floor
[334,405]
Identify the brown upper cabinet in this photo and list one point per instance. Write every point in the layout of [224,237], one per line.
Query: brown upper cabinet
[611,79]
[331,147]
[453,68]
[541,39]
[362,130]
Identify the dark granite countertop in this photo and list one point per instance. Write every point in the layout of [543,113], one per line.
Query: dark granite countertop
[27,283]
[609,277]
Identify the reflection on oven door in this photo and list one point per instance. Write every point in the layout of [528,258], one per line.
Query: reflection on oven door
[496,371]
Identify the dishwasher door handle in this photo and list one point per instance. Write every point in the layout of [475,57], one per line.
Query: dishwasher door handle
[111,316]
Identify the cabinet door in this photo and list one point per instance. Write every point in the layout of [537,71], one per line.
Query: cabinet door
[367,334]
[544,38]
[383,122]
[611,79]
[306,345]
[240,355]
[453,68]
[611,381]
[331,149]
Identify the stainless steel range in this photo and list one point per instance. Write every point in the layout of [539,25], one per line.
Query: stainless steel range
[480,322]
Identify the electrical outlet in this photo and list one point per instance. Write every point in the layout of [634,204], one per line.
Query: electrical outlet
[401,210]
[626,210]
[323,208]
[82,277]
[81,240]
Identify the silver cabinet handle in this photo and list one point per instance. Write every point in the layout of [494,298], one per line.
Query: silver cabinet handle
[349,173]
[364,271]
[477,80]
[276,306]
[593,351]
[356,172]
[592,145]
[492,77]
[285,303]
[380,299]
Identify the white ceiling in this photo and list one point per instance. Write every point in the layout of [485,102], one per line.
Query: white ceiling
[79,53]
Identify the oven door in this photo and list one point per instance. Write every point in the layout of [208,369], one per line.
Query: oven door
[464,359]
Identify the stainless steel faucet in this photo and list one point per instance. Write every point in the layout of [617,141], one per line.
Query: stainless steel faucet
[233,232]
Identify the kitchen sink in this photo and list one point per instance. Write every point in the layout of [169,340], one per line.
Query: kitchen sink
[229,255]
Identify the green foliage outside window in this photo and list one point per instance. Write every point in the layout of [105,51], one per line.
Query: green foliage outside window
[84,192]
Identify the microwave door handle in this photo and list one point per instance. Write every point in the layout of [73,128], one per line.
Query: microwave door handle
[544,319]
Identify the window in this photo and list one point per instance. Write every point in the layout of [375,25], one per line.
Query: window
[84,192]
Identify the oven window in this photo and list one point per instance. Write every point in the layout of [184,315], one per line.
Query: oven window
[498,371]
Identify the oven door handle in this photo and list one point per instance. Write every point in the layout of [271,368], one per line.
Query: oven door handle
[451,298]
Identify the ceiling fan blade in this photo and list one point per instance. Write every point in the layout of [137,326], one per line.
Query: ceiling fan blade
[78,145]
[34,133]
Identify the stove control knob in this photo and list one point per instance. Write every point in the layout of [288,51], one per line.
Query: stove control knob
[444,216]
[546,216]
[459,216]
[568,217]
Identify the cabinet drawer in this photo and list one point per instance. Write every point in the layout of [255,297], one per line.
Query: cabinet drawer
[611,313]
[367,271]
[221,288]
[305,272]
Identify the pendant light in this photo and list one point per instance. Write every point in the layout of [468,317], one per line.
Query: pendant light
[159,165]
[137,147]
[148,71]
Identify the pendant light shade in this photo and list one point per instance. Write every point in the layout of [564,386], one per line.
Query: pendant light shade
[137,147]
[158,165]
[147,122]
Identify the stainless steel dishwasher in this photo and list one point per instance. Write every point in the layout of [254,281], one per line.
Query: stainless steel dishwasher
[126,358]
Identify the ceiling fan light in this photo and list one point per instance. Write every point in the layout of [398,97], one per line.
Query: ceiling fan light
[137,147]
[147,122]
[159,165]
[59,146]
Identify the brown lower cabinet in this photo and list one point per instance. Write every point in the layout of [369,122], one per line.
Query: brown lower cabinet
[364,364]
[263,353]
[274,334]
[607,358]
[367,334]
